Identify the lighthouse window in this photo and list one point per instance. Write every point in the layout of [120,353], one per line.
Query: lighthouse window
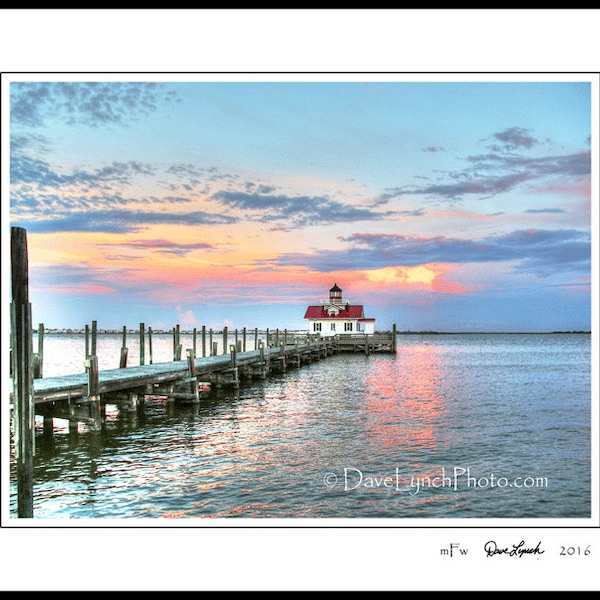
[347,326]
[316,326]
[333,327]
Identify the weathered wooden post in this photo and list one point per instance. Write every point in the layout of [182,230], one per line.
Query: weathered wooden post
[87,341]
[210,341]
[194,343]
[94,338]
[263,363]
[394,339]
[142,344]
[40,353]
[244,339]
[124,350]
[234,366]
[256,338]
[203,341]
[176,345]
[24,410]
[192,377]
[224,340]
[150,344]
[93,397]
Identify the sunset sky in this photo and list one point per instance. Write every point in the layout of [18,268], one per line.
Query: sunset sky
[448,204]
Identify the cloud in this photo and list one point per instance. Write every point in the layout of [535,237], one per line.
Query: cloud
[117,221]
[536,251]
[168,247]
[297,210]
[515,137]
[89,103]
[501,169]
[27,170]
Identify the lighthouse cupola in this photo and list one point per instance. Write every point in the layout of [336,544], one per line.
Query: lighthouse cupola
[335,294]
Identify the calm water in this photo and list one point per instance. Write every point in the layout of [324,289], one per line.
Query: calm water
[452,426]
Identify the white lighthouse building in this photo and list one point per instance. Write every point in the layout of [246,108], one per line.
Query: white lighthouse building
[335,315]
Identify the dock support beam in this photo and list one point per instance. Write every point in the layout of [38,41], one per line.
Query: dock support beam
[93,395]
[24,415]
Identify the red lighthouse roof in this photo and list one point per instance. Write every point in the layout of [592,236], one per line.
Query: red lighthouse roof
[347,312]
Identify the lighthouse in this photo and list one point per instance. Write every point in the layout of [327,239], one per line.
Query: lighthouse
[336,315]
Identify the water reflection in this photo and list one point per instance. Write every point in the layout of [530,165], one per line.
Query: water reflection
[263,450]
[404,400]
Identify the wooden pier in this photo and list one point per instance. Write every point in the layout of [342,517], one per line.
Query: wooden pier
[82,397]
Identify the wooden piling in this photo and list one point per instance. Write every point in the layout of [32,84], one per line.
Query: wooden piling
[94,344]
[142,343]
[234,367]
[176,345]
[93,397]
[40,351]
[24,411]
[124,350]
[150,345]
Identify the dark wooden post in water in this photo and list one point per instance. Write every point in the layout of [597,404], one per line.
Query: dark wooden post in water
[224,340]
[24,415]
[244,339]
[124,350]
[93,394]
[94,338]
[194,343]
[142,344]
[38,359]
[394,339]
[38,373]
[150,344]
[203,341]
[192,378]
[176,345]
[256,338]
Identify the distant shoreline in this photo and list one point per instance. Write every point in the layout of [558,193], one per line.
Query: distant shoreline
[303,332]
